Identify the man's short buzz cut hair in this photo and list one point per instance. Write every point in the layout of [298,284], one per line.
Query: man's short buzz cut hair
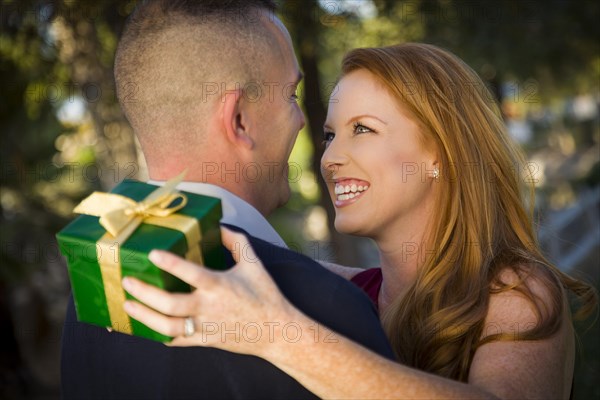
[174,53]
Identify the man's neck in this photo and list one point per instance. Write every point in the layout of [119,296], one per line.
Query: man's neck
[236,211]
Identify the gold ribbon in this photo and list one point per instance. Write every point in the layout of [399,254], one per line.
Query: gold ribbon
[121,216]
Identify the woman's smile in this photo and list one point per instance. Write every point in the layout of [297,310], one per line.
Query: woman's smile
[349,190]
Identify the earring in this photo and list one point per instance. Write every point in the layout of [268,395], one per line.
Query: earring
[436,173]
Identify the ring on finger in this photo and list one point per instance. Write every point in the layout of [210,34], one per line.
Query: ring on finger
[189,328]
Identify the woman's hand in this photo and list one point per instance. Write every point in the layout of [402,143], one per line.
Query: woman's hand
[238,310]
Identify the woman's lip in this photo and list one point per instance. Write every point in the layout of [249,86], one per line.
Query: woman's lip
[349,180]
[348,186]
[344,203]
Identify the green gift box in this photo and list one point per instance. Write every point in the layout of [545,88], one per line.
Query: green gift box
[97,260]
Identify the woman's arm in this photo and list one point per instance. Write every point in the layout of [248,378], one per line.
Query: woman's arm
[331,365]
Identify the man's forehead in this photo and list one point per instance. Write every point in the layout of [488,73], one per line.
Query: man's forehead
[276,28]
[279,32]
[277,22]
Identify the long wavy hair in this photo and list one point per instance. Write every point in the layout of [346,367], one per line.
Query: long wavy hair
[481,224]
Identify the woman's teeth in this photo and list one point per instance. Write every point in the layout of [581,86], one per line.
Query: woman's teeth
[346,192]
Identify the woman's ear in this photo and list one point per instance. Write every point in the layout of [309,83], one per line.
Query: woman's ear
[435,170]
[236,119]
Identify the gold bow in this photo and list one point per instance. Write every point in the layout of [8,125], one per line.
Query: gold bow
[119,213]
[121,216]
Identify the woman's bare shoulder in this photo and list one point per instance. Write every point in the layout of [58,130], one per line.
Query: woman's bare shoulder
[529,296]
[539,368]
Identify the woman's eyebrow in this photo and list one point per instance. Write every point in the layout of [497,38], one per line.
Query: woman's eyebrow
[358,117]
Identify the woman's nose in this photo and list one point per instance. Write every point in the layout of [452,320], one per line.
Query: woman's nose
[333,158]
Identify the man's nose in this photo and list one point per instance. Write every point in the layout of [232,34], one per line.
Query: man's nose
[302,120]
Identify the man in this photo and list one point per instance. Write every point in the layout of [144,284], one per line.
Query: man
[210,87]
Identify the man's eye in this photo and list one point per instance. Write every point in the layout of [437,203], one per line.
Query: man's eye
[295,95]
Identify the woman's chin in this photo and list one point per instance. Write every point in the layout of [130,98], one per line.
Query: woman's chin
[348,227]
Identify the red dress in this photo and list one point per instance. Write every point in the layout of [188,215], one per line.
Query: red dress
[369,281]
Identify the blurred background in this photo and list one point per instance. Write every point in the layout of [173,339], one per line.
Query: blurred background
[63,136]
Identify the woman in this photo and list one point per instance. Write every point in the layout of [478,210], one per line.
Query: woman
[417,158]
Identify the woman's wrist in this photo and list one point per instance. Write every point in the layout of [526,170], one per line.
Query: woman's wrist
[290,329]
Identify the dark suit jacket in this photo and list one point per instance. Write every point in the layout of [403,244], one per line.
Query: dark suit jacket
[102,365]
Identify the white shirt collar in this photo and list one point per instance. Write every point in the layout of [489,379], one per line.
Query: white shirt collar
[236,212]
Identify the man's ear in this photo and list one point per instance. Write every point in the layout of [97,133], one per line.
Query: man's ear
[236,119]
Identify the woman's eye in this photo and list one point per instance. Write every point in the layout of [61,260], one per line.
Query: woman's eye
[328,137]
[360,128]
